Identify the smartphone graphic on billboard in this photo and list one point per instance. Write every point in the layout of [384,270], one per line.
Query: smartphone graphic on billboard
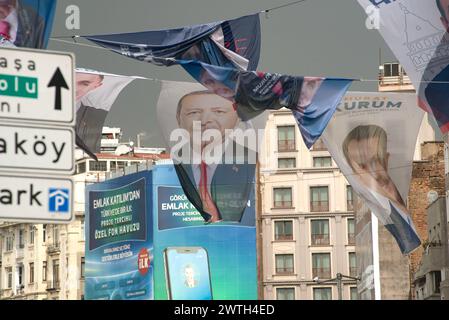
[187,273]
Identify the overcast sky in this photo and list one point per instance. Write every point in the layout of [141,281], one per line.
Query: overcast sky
[313,38]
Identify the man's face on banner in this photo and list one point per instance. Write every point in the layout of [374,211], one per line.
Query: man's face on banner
[216,86]
[86,82]
[6,6]
[210,110]
[370,169]
[444,7]
[309,88]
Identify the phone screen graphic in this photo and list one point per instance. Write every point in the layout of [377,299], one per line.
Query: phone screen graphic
[187,272]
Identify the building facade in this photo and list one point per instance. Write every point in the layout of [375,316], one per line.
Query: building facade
[306,218]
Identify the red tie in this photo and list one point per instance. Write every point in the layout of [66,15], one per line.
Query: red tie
[5,28]
[208,204]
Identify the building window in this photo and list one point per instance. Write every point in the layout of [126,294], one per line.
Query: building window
[8,277]
[321,265]
[44,233]
[351,231]
[284,264]
[353,293]
[322,162]
[55,274]
[21,238]
[322,293]
[44,271]
[349,198]
[287,163]
[32,231]
[98,166]
[436,281]
[83,267]
[319,201]
[320,232]
[283,198]
[286,138]
[117,165]
[31,272]
[352,264]
[56,236]
[285,294]
[9,242]
[283,230]
[319,145]
[81,167]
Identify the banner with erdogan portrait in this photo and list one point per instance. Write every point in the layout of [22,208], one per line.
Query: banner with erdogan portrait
[374,147]
[96,92]
[417,31]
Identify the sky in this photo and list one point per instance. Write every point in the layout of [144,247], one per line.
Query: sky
[313,38]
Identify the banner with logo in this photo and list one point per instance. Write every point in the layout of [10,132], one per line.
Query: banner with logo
[312,100]
[372,138]
[119,239]
[26,23]
[96,92]
[417,33]
[233,43]
[199,261]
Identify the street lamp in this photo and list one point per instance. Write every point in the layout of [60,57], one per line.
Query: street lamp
[339,280]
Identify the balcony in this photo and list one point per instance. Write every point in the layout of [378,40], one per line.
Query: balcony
[353,272]
[283,237]
[319,146]
[350,205]
[322,273]
[319,206]
[286,146]
[53,285]
[351,239]
[320,239]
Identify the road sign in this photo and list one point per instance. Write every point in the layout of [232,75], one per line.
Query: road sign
[37,85]
[36,149]
[36,199]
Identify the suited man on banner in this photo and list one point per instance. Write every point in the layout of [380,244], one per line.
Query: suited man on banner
[21,25]
[89,120]
[220,191]
[365,150]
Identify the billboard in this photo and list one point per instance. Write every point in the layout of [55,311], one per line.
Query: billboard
[119,242]
[197,260]
[373,146]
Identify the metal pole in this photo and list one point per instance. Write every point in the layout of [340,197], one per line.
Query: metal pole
[339,286]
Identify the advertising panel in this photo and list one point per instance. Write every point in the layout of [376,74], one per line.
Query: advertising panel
[119,243]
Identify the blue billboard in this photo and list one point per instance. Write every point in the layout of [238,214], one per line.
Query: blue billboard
[119,242]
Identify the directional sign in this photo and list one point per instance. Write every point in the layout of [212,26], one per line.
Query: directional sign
[36,149]
[37,85]
[36,199]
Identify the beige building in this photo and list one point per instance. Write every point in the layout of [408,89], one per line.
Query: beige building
[307,218]
[40,262]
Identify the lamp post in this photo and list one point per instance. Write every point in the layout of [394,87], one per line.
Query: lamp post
[339,280]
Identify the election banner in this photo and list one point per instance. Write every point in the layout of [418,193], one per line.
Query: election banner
[373,146]
[198,261]
[214,151]
[119,241]
[26,23]
[96,92]
[417,33]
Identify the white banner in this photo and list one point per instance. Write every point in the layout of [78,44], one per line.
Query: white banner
[372,139]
